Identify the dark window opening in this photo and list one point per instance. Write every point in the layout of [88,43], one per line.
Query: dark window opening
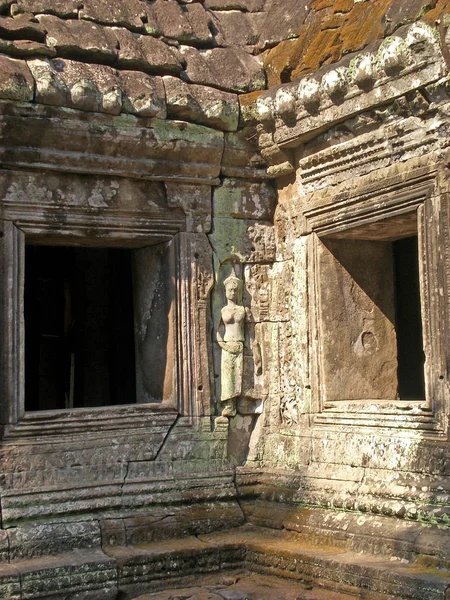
[410,354]
[79,327]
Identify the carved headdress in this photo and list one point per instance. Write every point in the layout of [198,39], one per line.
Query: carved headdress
[233,277]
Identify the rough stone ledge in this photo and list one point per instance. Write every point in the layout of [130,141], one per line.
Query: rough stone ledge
[386,499]
[148,567]
[136,147]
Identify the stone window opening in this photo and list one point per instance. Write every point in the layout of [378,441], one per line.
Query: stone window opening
[408,322]
[137,283]
[79,327]
[370,313]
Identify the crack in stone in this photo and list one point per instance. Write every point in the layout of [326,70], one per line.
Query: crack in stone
[125,476]
[167,436]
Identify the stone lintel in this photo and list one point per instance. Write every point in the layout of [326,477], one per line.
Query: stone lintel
[77,142]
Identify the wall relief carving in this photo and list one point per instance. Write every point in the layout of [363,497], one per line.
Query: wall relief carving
[240,357]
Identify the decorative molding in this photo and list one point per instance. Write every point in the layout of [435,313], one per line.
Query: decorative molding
[192,274]
[418,194]
[399,66]
[295,113]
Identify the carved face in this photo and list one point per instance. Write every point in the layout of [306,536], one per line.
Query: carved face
[232,290]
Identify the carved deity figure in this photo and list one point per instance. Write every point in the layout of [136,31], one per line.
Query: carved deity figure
[231,339]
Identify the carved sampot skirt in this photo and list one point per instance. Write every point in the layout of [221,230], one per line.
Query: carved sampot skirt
[231,370]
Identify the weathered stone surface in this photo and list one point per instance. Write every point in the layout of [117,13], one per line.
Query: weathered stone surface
[80,39]
[4,547]
[16,81]
[244,200]
[332,29]
[60,8]
[230,69]
[25,48]
[196,203]
[238,28]
[245,240]
[77,85]
[201,104]
[129,14]
[22,27]
[50,88]
[93,572]
[30,541]
[143,95]
[200,22]
[241,155]
[186,24]
[159,149]
[334,88]
[359,156]
[244,5]
[283,20]
[146,53]
[367,338]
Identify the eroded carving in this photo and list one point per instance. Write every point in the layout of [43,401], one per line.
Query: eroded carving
[236,362]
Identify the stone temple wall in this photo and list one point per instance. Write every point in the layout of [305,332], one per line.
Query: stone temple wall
[359,153]
[293,148]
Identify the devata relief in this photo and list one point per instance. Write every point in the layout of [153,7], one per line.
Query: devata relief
[231,337]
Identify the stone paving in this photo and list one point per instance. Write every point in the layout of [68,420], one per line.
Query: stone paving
[245,586]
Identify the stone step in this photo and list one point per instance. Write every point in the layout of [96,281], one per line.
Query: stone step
[282,555]
[82,574]
[246,586]
[128,572]
[293,555]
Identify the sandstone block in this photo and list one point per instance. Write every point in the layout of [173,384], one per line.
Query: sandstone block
[22,27]
[4,547]
[16,81]
[200,22]
[50,89]
[359,337]
[83,93]
[143,95]
[246,240]
[146,53]
[195,201]
[114,12]
[201,104]
[78,85]
[241,199]
[168,18]
[283,20]
[31,540]
[60,8]
[23,48]
[80,39]
[241,156]
[236,27]
[230,69]
[9,583]
[113,532]
[244,5]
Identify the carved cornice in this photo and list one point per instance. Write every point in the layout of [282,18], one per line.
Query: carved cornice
[297,112]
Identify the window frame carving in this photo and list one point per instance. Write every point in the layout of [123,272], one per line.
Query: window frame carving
[426,192]
[193,264]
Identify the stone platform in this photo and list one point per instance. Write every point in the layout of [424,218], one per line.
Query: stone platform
[246,586]
[248,562]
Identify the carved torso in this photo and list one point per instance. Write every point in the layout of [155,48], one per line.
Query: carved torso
[233,317]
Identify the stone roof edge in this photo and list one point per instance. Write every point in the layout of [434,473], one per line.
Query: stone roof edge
[291,114]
